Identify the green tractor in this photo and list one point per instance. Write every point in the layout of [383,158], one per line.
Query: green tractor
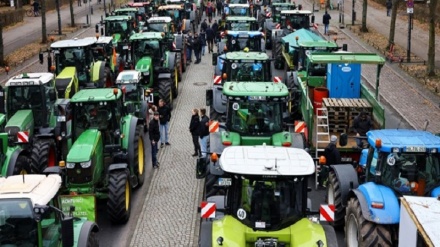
[134,13]
[260,200]
[30,214]
[158,65]
[178,15]
[105,50]
[31,138]
[119,27]
[75,67]
[107,156]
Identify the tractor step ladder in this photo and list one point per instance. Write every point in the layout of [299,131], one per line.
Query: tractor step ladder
[322,136]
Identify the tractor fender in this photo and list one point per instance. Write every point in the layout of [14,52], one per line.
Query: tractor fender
[86,229]
[130,149]
[215,143]
[164,76]
[219,201]
[13,156]
[144,112]
[98,71]
[370,192]
[330,236]
[346,175]
[219,99]
[205,239]
[171,60]
[117,166]
[214,168]
[179,41]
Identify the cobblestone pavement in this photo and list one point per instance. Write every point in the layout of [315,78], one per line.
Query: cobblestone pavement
[169,216]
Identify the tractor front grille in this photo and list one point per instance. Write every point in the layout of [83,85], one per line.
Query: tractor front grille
[79,175]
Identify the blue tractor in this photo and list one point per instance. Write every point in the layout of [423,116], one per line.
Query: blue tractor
[366,198]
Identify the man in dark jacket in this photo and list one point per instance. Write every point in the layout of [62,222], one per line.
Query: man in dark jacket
[389,5]
[215,28]
[326,21]
[210,35]
[154,133]
[189,47]
[194,126]
[202,38]
[197,48]
[164,120]
[361,125]
[332,157]
[203,26]
[204,132]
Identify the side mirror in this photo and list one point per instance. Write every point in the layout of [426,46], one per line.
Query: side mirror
[40,57]
[67,231]
[52,95]
[286,47]
[313,19]
[102,31]
[214,59]
[343,140]
[209,97]
[345,47]
[201,168]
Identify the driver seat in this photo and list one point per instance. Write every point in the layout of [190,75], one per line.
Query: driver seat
[263,203]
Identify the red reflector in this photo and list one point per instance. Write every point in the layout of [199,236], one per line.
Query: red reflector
[377,205]
[286,144]
[227,143]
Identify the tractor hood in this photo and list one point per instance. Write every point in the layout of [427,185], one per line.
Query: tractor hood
[234,233]
[84,146]
[144,64]
[22,120]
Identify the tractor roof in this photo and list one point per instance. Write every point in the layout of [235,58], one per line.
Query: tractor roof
[244,34]
[96,94]
[104,40]
[128,76]
[240,18]
[266,160]
[238,5]
[146,35]
[138,4]
[117,18]
[405,140]
[126,10]
[170,7]
[296,12]
[283,4]
[241,55]
[26,79]
[307,38]
[159,19]
[39,188]
[345,57]
[269,89]
[73,43]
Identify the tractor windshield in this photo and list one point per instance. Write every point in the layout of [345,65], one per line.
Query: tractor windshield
[17,224]
[239,26]
[175,14]
[158,27]
[146,48]
[260,118]
[116,27]
[123,12]
[409,173]
[265,204]
[77,57]
[27,97]
[296,21]
[240,41]
[238,11]
[249,71]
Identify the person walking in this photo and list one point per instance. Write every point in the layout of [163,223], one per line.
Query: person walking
[203,26]
[204,132]
[164,120]
[194,126]
[151,111]
[361,125]
[389,5]
[219,7]
[197,48]
[210,35]
[332,157]
[210,10]
[36,7]
[154,133]
[189,47]
[202,38]
[215,28]
[326,21]
[79,3]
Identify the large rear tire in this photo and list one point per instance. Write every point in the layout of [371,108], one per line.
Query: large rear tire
[179,65]
[92,240]
[21,166]
[139,155]
[165,91]
[175,82]
[334,197]
[119,197]
[362,233]
[107,79]
[43,155]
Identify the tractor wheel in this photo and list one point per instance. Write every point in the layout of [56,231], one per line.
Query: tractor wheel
[334,197]
[21,166]
[165,91]
[92,240]
[43,155]
[139,155]
[213,115]
[179,65]
[363,233]
[107,80]
[183,60]
[119,196]
[210,190]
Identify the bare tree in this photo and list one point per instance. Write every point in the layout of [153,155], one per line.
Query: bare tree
[43,22]
[2,53]
[393,22]
[57,6]
[430,69]
[364,16]
[72,14]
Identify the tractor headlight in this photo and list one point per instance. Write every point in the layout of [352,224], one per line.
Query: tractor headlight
[147,73]
[61,118]
[70,165]
[433,150]
[86,164]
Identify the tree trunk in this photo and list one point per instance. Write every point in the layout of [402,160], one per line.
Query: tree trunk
[393,22]
[43,22]
[57,6]
[72,14]
[364,16]
[2,54]
[430,69]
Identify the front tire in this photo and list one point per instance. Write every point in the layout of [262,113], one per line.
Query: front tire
[362,233]
[139,155]
[334,197]
[119,197]
[165,91]
[43,155]
[21,166]
[92,240]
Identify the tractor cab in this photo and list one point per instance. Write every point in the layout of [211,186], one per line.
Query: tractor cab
[296,19]
[119,27]
[148,46]
[134,13]
[278,7]
[144,9]
[239,40]
[129,82]
[103,48]
[241,23]
[161,24]
[239,10]
[176,12]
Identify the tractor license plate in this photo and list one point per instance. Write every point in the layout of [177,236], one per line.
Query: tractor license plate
[224,182]
[61,119]
[149,98]
[346,159]
[242,34]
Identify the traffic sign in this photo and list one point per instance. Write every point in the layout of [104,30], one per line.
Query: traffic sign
[410,10]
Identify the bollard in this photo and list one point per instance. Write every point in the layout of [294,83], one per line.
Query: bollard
[102,18]
[91,10]
[87,19]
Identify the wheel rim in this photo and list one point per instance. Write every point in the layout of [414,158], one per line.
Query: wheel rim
[331,195]
[352,231]
[141,156]
[176,77]
[127,195]
[51,159]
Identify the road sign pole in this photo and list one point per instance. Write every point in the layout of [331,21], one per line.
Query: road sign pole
[410,12]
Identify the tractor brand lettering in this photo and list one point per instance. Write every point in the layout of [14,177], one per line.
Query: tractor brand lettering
[327,213]
[84,205]
[260,224]
[207,210]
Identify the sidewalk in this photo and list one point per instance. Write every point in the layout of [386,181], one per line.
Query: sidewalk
[411,100]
